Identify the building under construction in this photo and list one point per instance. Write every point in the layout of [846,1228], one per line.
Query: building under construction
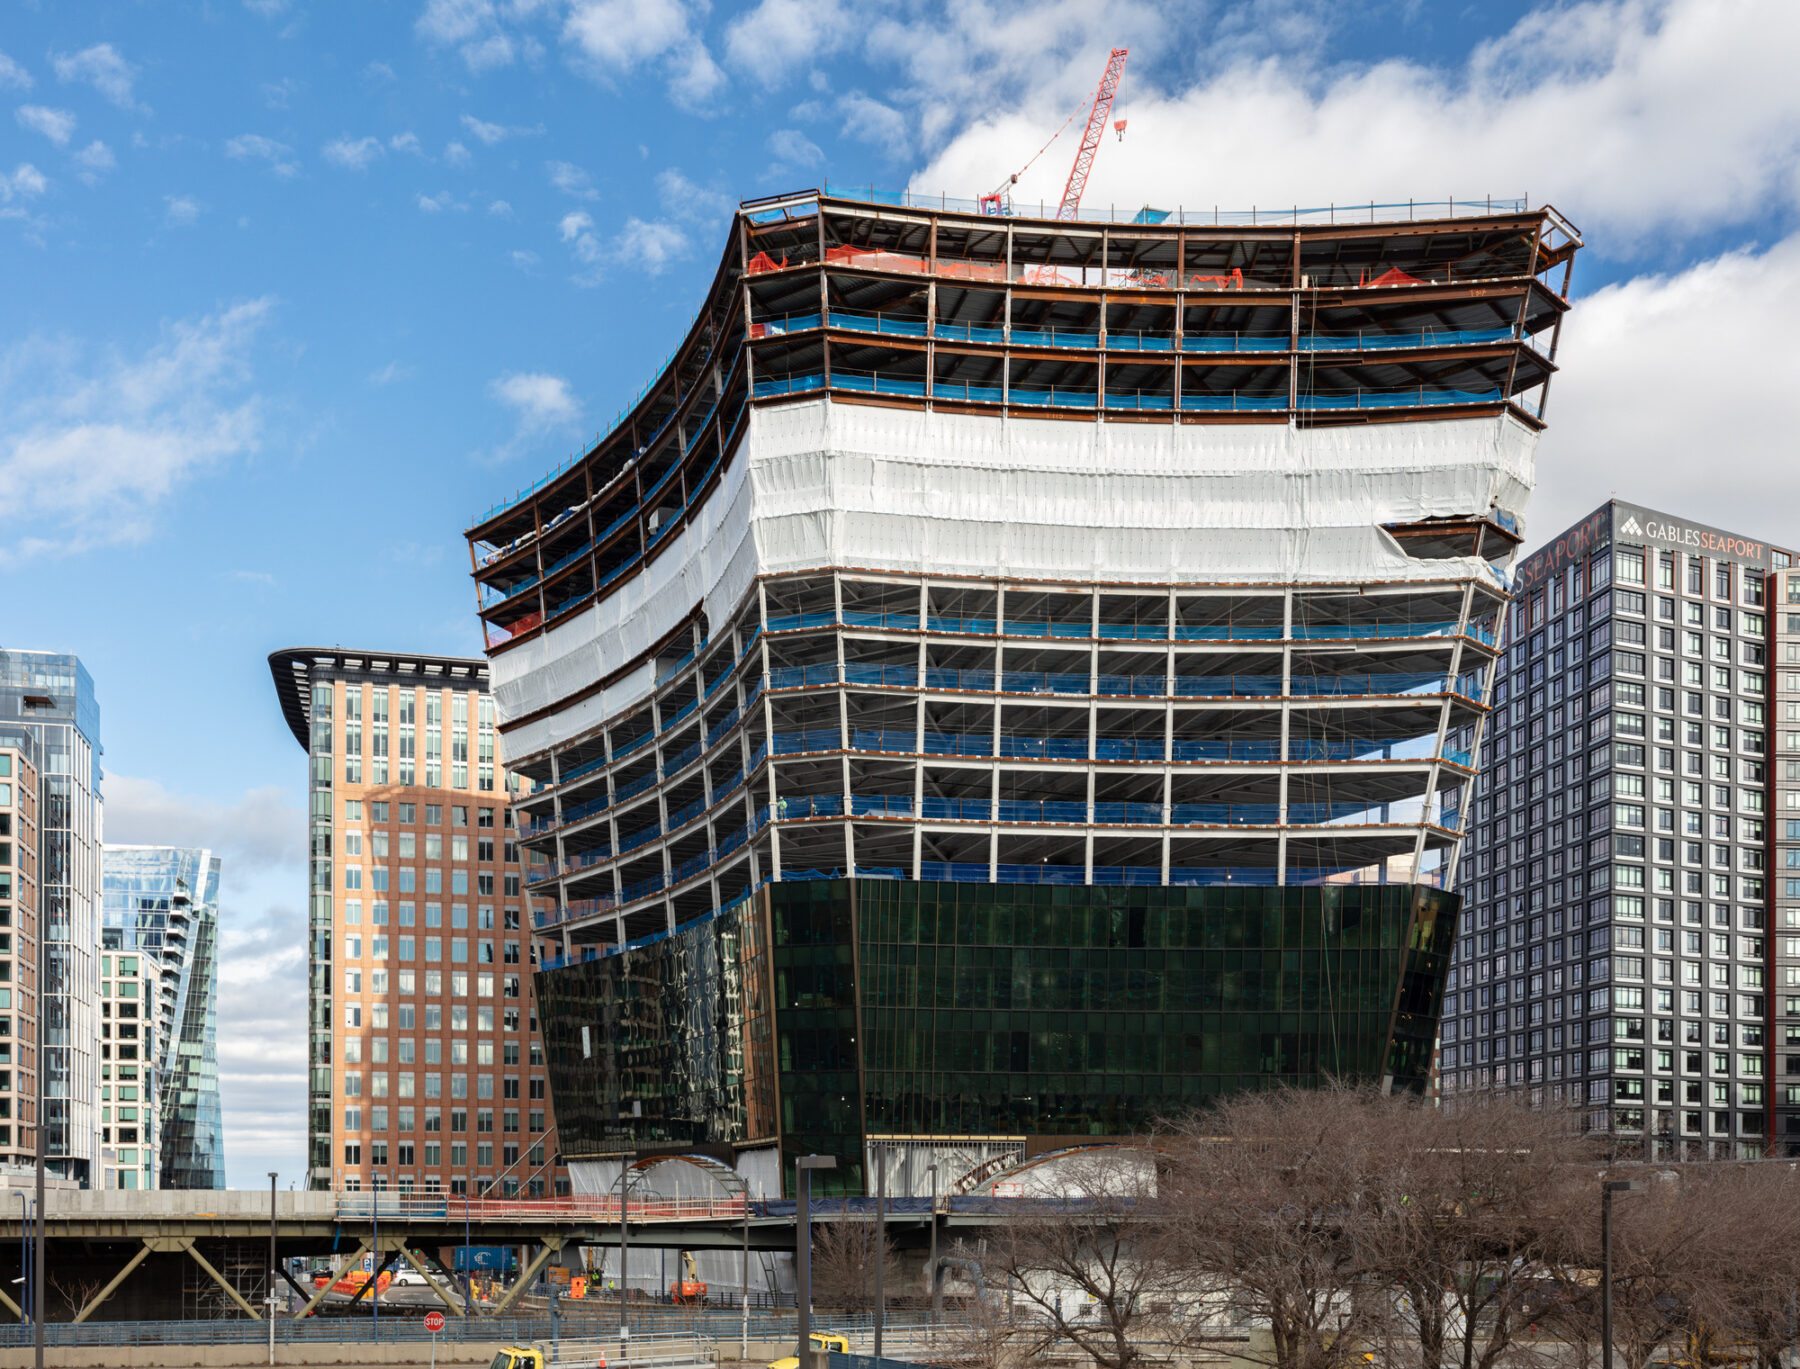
[1004,677]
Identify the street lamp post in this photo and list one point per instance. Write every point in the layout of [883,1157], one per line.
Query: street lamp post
[880,1242]
[24,1256]
[932,1267]
[805,1165]
[1609,1187]
[744,1285]
[625,1177]
[271,1303]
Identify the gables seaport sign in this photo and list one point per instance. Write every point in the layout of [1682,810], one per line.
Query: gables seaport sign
[1630,524]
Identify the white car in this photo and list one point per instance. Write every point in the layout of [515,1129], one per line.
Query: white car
[409,1277]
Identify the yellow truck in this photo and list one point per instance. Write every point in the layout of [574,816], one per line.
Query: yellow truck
[529,1357]
[821,1340]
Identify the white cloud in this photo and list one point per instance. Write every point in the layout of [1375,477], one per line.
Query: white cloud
[406,142]
[611,39]
[686,200]
[541,404]
[101,67]
[456,154]
[694,78]
[500,209]
[26,182]
[484,131]
[873,122]
[354,154]
[434,204]
[379,73]
[268,9]
[650,245]
[777,36]
[261,829]
[793,148]
[279,94]
[180,210]
[540,400]
[1717,450]
[388,374]
[1641,118]
[473,28]
[13,75]
[575,222]
[619,34]
[254,147]
[92,447]
[95,160]
[524,260]
[58,125]
[571,180]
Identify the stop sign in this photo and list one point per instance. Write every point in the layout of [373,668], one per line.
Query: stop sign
[434,1322]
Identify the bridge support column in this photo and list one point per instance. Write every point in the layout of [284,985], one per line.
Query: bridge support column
[443,1296]
[362,1248]
[552,1244]
[217,1277]
[112,1286]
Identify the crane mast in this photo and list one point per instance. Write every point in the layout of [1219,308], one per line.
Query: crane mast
[999,199]
[1091,135]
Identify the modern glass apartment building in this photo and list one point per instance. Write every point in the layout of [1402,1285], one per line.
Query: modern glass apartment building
[426,1071]
[1142,573]
[161,917]
[51,696]
[1614,955]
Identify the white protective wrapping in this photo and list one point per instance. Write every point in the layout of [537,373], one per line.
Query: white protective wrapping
[819,484]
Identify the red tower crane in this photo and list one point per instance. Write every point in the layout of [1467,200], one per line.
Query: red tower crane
[998,200]
[1090,137]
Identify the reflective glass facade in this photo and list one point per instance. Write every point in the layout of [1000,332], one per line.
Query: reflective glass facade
[903,1008]
[51,696]
[163,902]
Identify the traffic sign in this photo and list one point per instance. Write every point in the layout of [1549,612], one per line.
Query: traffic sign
[434,1322]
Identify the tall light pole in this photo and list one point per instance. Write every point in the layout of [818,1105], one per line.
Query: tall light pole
[271,1299]
[932,1170]
[1608,1187]
[804,1166]
[624,1253]
[744,1284]
[24,1256]
[880,1241]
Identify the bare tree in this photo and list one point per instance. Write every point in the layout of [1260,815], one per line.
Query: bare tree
[1277,1199]
[1474,1210]
[1668,1264]
[1086,1262]
[843,1265]
[77,1287]
[1744,1305]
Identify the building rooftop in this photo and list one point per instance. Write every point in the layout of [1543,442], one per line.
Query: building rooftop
[294,667]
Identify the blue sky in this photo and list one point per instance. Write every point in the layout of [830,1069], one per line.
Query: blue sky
[292,290]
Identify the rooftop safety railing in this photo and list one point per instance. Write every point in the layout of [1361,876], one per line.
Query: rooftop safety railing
[1374,211]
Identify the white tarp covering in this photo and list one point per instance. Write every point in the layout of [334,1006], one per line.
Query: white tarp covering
[819,484]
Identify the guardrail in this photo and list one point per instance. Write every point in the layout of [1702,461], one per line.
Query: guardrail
[656,1327]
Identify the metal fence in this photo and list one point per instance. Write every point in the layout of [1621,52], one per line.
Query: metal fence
[598,1319]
